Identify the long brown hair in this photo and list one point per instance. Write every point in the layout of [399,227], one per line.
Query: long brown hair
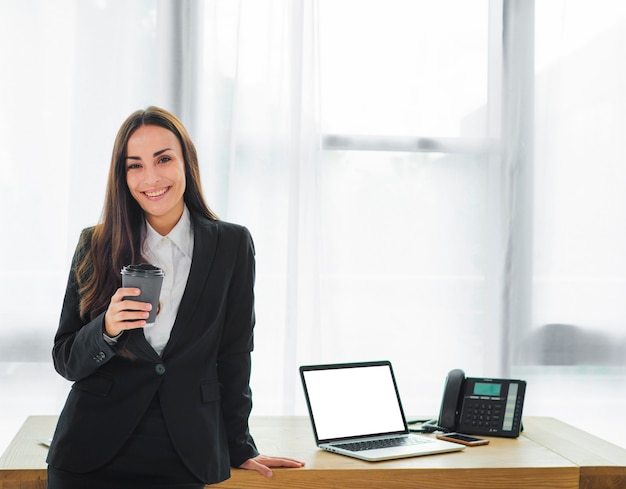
[116,241]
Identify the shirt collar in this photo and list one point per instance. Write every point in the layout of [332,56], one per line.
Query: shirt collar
[181,235]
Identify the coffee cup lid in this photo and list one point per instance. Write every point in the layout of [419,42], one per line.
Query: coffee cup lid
[143,269]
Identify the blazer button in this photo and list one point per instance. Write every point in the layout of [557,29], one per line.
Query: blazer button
[160,369]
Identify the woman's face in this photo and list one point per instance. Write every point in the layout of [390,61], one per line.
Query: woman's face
[155,175]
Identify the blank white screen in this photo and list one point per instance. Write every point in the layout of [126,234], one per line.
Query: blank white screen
[353,401]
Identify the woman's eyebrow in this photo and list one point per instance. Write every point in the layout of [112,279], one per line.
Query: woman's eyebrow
[160,152]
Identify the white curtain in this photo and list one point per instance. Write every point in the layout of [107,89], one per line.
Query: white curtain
[260,142]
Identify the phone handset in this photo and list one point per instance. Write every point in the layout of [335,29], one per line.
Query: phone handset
[452,400]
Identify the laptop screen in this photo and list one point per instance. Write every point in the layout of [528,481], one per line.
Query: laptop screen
[352,400]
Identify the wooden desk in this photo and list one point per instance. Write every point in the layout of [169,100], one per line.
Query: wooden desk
[549,455]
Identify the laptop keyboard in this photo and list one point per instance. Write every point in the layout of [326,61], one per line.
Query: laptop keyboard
[359,446]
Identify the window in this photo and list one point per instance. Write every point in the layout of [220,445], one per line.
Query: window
[404,182]
[573,352]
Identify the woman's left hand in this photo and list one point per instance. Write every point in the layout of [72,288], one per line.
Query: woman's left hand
[262,464]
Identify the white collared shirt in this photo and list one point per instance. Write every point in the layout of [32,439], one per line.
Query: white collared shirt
[173,254]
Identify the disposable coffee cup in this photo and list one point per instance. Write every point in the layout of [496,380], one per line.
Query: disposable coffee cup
[149,279]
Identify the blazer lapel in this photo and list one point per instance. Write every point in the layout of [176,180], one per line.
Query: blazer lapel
[204,247]
[137,338]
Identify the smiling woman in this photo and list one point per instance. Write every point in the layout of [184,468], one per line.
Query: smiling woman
[200,341]
[156,175]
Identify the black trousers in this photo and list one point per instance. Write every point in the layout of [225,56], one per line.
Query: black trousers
[147,461]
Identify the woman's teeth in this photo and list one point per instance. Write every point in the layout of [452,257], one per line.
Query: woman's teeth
[156,193]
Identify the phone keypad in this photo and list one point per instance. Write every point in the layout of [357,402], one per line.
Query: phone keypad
[482,415]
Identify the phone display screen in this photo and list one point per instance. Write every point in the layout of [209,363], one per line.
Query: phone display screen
[487,389]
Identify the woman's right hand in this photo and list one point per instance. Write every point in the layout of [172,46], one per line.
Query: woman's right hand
[125,314]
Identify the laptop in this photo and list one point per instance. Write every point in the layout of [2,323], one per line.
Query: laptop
[355,410]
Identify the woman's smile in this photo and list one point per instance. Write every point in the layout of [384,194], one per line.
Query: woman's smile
[155,194]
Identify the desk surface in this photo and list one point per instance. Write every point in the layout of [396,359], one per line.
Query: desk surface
[549,454]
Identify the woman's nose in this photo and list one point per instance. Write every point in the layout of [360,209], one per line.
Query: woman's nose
[151,175]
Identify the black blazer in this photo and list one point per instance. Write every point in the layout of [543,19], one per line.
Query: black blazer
[202,376]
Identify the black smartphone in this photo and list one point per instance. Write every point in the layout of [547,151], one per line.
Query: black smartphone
[470,441]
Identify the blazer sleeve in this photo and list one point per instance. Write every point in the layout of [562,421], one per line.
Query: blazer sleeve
[234,356]
[79,346]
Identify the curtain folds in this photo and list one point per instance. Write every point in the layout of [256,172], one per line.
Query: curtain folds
[259,136]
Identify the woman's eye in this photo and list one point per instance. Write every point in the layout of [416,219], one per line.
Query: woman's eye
[164,159]
[133,166]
